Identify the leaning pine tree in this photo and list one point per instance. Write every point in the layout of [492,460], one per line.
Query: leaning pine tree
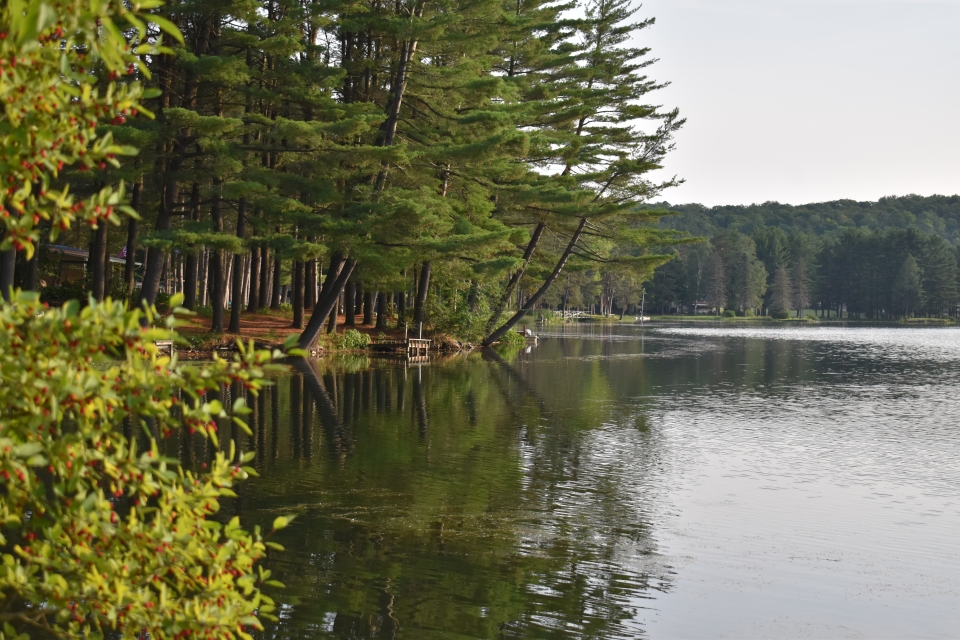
[597,134]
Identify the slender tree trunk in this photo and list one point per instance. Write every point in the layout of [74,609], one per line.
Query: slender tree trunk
[472,297]
[165,275]
[265,279]
[368,297]
[501,303]
[218,289]
[130,264]
[193,258]
[297,280]
[509,324]
[155,256]
[332,321]
[203,266]
[382,310]
[236,293]
[8,265]
[423,285]
[333,285]
[350,304]
[97,260]
[275,292]
[254,279]
[310,285]
[389,127]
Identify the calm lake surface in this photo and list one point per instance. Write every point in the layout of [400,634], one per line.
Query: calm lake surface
[618,481]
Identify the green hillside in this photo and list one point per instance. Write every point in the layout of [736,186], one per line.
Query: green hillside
[938,215]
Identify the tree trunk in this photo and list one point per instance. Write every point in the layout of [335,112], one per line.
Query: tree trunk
[218,291]
[204,266]
[368,307]
[509,324]
[332,321]
[382,310]
[333,285]
[297,277]
[388,129]
[98,256]
[193,258]
[165,275]
[265,279]
[472,297]
[254,279]
[275,293]
[514,279]
[8,264]
[236,293]
[402,303]
[130,264]
[155,256]
[422,287]
[310,285]
[350,304]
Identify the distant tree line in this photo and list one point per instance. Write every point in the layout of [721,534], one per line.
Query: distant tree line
[858,273]
[938,215]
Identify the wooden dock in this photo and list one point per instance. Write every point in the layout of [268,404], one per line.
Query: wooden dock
[411,347]
[165,346]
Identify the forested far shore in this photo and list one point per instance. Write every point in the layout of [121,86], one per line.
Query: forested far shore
[894,258]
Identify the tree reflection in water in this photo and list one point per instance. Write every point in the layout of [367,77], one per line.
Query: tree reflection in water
[440,500]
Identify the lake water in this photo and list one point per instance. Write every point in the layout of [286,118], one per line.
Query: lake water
[618,481]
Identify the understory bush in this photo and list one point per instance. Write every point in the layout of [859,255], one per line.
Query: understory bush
[729,313]
[513,339]
[455,318]
[353,339]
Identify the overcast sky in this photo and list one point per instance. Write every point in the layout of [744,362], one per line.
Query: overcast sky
[810,100]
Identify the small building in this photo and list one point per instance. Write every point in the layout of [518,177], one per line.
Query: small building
[71,263]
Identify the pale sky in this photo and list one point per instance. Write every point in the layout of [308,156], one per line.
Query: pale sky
[810,100]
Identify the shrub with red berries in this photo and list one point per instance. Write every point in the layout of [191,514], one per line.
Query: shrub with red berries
[100,537]
[59,65]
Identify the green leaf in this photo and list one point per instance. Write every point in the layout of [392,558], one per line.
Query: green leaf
[243,425]
[280,522]
[27,449]
[166,26]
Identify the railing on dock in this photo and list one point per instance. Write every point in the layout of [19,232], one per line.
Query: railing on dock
[165,346]
[411,347]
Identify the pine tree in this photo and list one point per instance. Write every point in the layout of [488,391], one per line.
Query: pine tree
[781,292]
[597,134]
[907,290]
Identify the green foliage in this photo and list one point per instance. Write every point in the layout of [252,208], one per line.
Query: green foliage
[781,314]
[453,316]
[103,537]
[938,215]
[513,339]
[353,339]
[729,313]
[57,85]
